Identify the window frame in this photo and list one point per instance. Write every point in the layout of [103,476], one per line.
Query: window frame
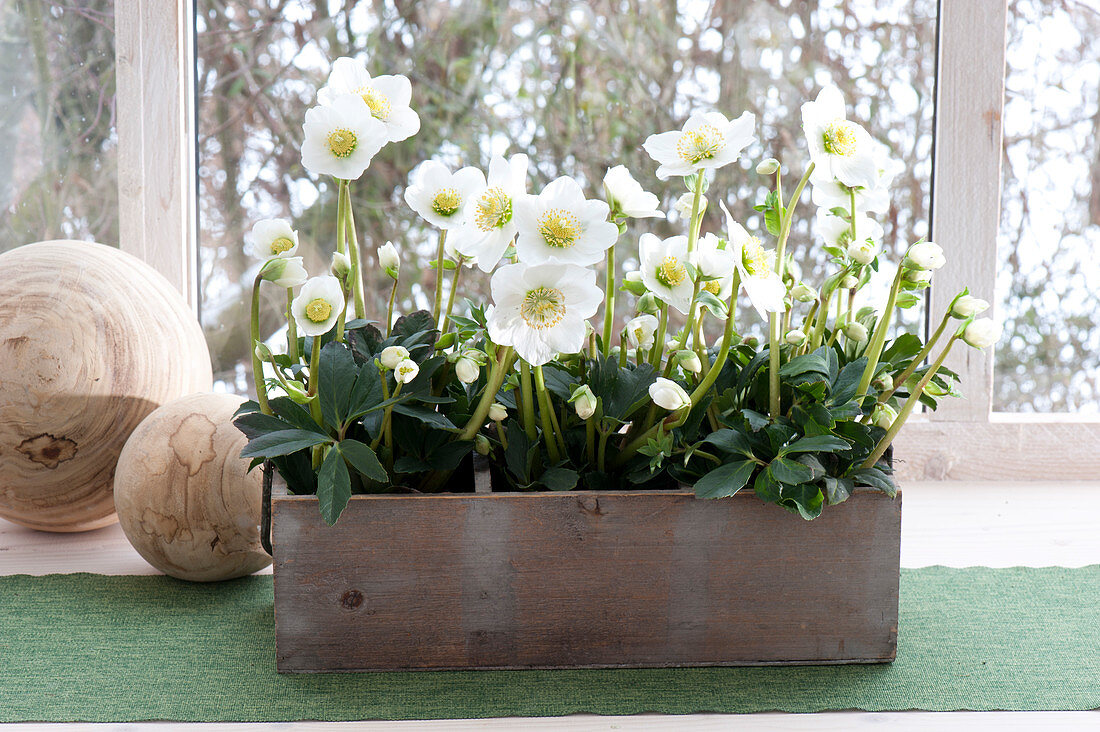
[963,440]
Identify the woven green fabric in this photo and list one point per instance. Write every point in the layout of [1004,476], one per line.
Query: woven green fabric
[114,649]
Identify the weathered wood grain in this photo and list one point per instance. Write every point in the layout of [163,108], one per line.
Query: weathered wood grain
[584,579]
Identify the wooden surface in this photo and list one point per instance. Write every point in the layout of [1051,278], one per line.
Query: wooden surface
[184,496]
[582,579]
[156,138]
[91,341]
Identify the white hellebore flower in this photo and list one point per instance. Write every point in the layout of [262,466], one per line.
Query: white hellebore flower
[467,370]
[540,310]
[754,263]
[498,412]
[863,252]
[386,98]
[794,337]
[318,305]
[388,259]
[664,270]
[966,306]
[640,330]
[626,195]
[341,265]
[838,147]
[925,255]
[684,203]
[273,238]
[584,401]
[855,331]
[560,226]
[439,196]
[982,333]
[285,271]
[707,140]
[405,371]
[837,232]
[689,361]
[711,261]
[883,416]
[393,355]
[341,139]
[489,227]
[669,395]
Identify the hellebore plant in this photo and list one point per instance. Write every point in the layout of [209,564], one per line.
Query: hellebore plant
[556,402]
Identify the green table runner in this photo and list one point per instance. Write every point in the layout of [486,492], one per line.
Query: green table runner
[113,649]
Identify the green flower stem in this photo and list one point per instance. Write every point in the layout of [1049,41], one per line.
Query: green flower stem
[609,300]
[874,348]
[907,408]
[291,329]
[492,385]
[590,440]
[389,310]
[440,250]
[623,346]
[696,217]
[527,408]
[852,223]
[315,404]
[341,217]
[822,319]
[342,320]
[257,365]
[547,415]
[723,351]
[353,254]
[385,396]
[918,359]
[387,428]
[774,406]
[601,457]
[450,297]
[657,353]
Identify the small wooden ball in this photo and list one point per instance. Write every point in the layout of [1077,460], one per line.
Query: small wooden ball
[184,496]
[91,341]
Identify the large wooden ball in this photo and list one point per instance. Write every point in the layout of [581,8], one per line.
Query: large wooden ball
[184,495]
[91,341]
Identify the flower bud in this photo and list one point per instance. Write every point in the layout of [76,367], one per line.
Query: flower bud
[855,331]
[648,304]
[467,370]
[925,255]
[584,401]
[849,282]
[966,306]
[767,167]
[982,333]
[751,342]
[862,251]
[481,444]
[388,259]
[262,351]
[689,361]
[917,278]
[296,390]
[497,412]
[803,292]
[405,371]
[669,395]
[685,202]
[632,283]
[640,330]
[284,271]
[883,416]
[341,265]
[794,337]
[884,382]
[393,355]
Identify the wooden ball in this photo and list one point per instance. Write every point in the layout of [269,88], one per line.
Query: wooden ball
[184,496]
[91,341]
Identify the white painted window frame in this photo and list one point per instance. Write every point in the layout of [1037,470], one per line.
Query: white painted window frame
[963,440]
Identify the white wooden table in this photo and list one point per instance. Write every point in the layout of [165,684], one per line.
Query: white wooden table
[956,524]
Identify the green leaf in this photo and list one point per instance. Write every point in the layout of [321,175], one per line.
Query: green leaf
[725,480]
[297,415]
[756,420]
[819,443]
[429,417]
[282,442]
[716,307]
[790,472]
[448,455]
[365,393]
[731,441]
[876,479]
[847,381]
[837,490]
[255,424]
[766,487]
[333,486]
[560,479]
[336,375]
[804,499]
[808,363]
[364,460]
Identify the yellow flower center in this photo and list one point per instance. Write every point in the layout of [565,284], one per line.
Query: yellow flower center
[280,245]
[318,310]
[755,258]
[378,103]
[712,287]
[494,209]
[639,335]
[404,370]
[840,138]
[671,272]
[701,143]
[559,228]
[342,142]
[446,202]
[543,307]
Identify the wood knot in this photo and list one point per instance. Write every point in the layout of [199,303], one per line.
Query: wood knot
[590,505]
[45,449]
[351,600]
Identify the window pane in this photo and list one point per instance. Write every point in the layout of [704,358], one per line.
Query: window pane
[577,87]
[58,150]
[1049,358]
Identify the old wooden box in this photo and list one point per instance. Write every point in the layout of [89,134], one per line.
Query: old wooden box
[582,580]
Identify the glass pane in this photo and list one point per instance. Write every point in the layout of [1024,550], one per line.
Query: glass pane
[1049,358]
[577,87]
[58,150]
